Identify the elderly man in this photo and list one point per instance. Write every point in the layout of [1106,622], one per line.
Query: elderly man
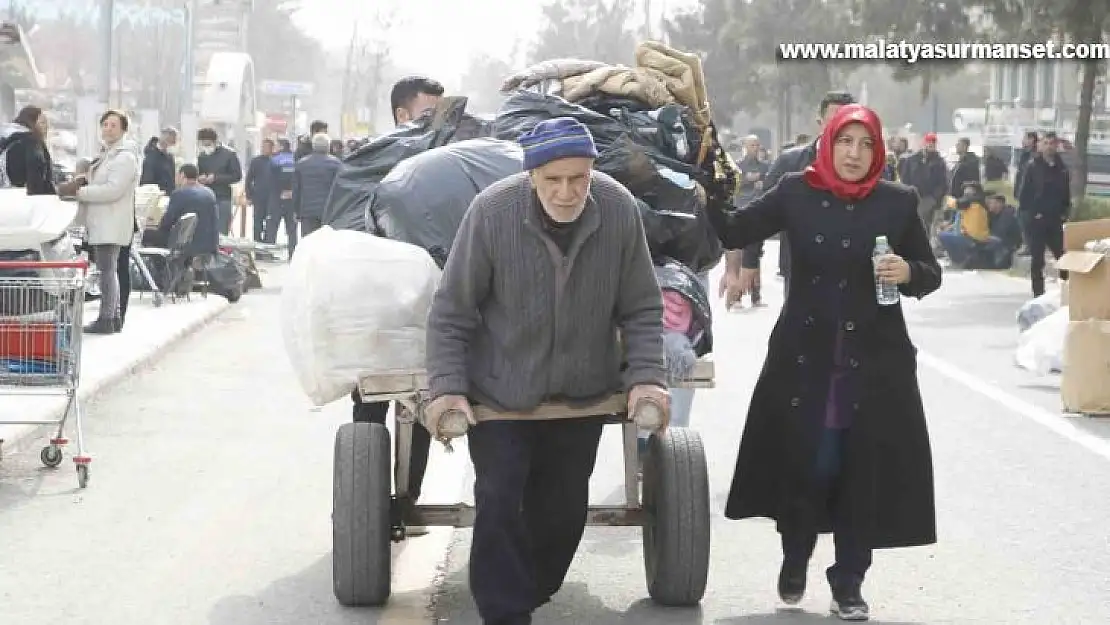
[312,179]
[547,266]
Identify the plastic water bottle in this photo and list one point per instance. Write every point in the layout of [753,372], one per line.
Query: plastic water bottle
[885,294]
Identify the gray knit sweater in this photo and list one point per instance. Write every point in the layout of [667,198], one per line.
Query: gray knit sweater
[515,323]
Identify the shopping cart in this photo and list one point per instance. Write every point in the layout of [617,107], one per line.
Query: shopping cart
[41,308]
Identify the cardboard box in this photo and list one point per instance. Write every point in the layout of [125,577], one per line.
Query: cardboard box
[1084,388]
[1088,294]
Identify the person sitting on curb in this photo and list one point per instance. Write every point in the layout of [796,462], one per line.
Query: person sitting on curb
[547,266]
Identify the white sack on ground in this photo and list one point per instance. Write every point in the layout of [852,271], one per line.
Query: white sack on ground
[1041,348]
[354,304]
[1038,308]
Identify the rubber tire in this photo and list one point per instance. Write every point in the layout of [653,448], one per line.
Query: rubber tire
[361,490]
[677,534]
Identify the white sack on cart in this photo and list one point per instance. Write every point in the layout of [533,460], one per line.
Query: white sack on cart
[39,223]
[354,304]
[28,221]
[1041,347]
[1038,308]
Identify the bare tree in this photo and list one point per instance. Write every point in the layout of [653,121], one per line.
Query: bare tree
[368,59]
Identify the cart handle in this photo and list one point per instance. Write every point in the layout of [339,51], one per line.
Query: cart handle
[44,264]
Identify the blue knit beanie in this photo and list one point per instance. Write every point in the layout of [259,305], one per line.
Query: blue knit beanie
[552,139]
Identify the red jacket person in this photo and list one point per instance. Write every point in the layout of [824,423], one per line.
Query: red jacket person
[546,267]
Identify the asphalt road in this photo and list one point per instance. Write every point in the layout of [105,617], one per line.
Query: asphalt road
[211,493]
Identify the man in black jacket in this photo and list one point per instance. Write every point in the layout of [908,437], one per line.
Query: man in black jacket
[742,267]
[926,171]
[158,161]
[259,187]
[304,142]
[219,169]
[283,167]
[753,173]
[966,170]
[410,98]
[1044,206]
[312,182]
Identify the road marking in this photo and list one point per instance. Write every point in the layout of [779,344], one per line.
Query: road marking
[1052,421]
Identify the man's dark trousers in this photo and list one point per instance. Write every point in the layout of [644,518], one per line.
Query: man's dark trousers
[531,491]
[282,211]
[1043,232]
[376,412]
[310,225]
[261,212]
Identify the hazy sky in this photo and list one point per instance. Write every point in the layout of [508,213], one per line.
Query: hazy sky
[438,36]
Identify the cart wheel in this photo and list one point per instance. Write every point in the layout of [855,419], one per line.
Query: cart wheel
[360,517]
[676,535]
[159,299]
[82,475]
[51,456]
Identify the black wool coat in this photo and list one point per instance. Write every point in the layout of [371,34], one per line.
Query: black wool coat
[886,476]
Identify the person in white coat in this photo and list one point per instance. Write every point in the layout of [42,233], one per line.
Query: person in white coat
[107,196]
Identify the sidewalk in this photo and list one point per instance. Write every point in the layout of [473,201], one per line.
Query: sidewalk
[105,360]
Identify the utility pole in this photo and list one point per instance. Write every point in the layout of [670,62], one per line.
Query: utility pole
[348,72]
[107,9]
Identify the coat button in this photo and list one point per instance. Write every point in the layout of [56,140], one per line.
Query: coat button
[825,203]
[855,407]
[851,207]
[819,238]
[845,243]
[801,360]
[795,402]
[809,321]
[854,363]
[843,284]
[849,326]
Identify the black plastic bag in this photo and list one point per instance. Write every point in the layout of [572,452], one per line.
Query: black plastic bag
[522,110]
[423,200]
[664,183]
[675,276]
[226,276]
[363,169]
[156,265]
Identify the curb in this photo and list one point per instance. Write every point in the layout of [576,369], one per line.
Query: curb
[18,441]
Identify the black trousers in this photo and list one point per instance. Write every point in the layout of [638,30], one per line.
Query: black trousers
[123,272]
[310,225]
[853,559]
[531,490]
[376,412]
[260,214]
[1041,234]
[282,211]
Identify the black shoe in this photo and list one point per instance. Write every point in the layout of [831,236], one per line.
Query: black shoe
[792,581]
[848,604]
[101,326]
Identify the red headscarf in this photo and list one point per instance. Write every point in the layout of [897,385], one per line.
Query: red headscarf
[822,173]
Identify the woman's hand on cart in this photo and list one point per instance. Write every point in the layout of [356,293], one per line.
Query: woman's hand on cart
[649,406]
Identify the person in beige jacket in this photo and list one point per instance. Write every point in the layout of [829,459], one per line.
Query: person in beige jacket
[107,196]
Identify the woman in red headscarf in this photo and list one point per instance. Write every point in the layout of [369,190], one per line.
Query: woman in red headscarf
[835,439]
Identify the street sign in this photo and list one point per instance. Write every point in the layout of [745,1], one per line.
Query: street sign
[285,88]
